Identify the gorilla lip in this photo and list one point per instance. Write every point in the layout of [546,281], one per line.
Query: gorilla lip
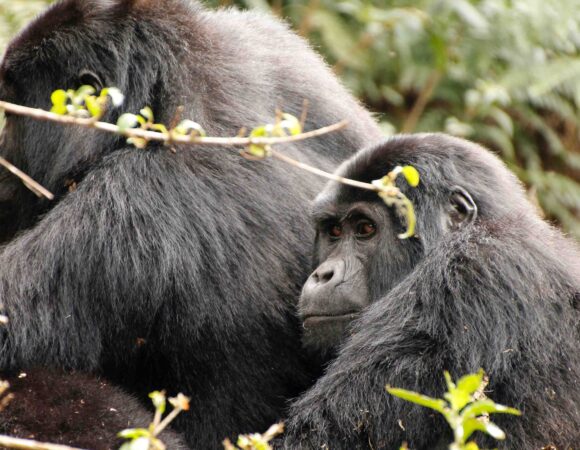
[315,320]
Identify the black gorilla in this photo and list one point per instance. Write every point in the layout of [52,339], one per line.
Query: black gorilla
[162,270]
[484,284]
[74,409]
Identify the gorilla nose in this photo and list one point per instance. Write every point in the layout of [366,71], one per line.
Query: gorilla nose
[328,272]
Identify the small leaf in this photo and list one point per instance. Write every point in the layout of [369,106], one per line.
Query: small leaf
[116,96]
[158,399]
[259,151]
[133,433]
[59,98]
[94,106]
[160,128]
[487,406]
[127,121]
[291,123]
[181,402]
[260,132]
[457,398]
[147,112]
[140,444]
[494,431]
[419,399]
[138,142]
[411,175]
[81,93]
[189,128]
[470,383]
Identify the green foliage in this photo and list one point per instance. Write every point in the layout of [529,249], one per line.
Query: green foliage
[393,197]
[147,438]
[14,14]
[285,125]
[465,408]
[83,102]
[255,441]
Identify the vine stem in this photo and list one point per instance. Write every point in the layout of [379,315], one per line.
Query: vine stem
[169,138]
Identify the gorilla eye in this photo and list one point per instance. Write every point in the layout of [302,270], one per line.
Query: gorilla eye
[335,230]
[88,78]
[365,228]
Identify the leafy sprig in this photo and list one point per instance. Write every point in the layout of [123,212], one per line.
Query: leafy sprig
[465,408]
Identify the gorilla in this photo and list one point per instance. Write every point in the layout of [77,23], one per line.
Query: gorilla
[166,268]
[485,283]
[74,409]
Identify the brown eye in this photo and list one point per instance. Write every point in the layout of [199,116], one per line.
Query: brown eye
[365,228]
[335,231]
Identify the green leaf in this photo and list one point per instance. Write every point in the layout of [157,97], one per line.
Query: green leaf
[411,175]
[291,123]
[140,444]
[160,128]
[487,406]
[147,113]
[81,93]
[470,383]
[259,151]
[127,121]
[94,106]
[59,99]
[189,128]
[134,433]
[457,398]
[419,399]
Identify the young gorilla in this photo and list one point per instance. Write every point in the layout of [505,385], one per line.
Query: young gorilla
[486,283]
[74,409]
[166,270]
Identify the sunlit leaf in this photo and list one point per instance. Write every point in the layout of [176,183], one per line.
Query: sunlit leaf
[419,399]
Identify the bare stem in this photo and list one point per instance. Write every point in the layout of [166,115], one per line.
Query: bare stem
[168,419]
[421,103]
[29,182]
[11,442]
[322,173]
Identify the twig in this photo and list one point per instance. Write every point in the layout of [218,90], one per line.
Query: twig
[11,442]
[29,182]
[322,173]
[421,103]
[40,114]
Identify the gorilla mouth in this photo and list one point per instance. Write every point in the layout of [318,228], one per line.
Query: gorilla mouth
[312,321]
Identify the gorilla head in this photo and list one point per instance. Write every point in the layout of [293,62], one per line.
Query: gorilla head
[359,257]
[485,283]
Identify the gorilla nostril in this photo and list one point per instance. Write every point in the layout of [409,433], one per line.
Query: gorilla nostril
[326,275]
[323,275]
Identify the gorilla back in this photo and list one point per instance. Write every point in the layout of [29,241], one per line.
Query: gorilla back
[163,270]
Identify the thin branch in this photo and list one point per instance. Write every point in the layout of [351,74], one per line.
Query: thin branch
[26,444]
[29,182]
[169,138]
[322,173]
[421,103]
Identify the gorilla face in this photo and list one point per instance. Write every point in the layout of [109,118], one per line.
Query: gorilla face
[360,258]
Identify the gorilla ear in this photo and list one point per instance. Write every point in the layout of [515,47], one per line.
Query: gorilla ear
[463,208]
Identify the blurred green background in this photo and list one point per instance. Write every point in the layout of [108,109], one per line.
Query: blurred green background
[505,73]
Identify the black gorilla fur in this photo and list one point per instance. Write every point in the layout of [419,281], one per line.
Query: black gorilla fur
[499,293]
[74,409]
[162,270]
